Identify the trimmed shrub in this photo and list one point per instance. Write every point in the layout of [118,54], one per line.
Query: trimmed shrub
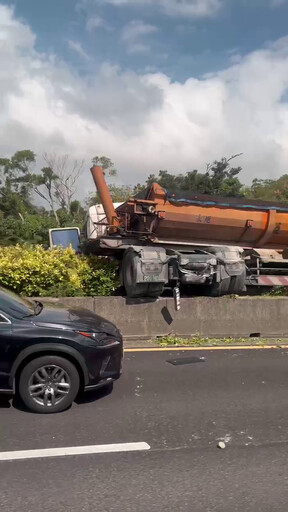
[34,271]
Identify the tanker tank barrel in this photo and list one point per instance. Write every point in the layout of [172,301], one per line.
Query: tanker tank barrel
[200,219]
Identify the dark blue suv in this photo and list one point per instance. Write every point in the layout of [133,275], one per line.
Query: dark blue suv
[49,353]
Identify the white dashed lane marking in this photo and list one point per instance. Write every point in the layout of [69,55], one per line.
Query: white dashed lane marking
[74,450]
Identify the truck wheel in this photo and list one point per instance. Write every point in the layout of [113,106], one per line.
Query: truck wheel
[219,289]
[237,284]
[129,275]
[129,272]
[155,289]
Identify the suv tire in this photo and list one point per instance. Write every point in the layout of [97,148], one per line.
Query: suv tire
[48,384]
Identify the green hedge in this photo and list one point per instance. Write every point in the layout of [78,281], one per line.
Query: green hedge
[34,271]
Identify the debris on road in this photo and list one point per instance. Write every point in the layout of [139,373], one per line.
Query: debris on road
[186,360]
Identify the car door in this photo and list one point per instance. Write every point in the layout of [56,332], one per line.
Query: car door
[5,340]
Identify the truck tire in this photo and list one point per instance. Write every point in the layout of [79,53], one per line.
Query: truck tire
[155,289]
[129,276]
[237,284]
[219,289]
[133,289]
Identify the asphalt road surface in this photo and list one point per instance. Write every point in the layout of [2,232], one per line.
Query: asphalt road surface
[181,411]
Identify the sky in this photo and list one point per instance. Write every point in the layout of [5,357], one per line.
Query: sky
[152,84]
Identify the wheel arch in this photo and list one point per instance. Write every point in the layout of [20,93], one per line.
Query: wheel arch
[34,351]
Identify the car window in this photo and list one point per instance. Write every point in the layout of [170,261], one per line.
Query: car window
[14,305]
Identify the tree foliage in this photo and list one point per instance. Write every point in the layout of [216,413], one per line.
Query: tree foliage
[276,190]
[218,179]
[34,229]
[43,185]
[15,190]
[67,172]
[55,184]
[106,164]
[118,193]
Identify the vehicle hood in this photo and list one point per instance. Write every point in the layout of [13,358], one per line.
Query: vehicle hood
[74,319]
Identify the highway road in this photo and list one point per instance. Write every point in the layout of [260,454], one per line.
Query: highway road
[178,412]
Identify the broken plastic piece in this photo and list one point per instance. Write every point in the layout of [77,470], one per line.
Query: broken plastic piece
[177,298]
[186,360]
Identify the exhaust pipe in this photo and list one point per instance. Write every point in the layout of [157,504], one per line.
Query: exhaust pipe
[105,198]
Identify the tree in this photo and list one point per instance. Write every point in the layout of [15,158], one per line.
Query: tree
[15,190]
[34,229]
[76,216]
[47,179]
[223,179]
[138,188]
[119,194]
[57,183]
[267,189]
[106,164]
[21,220]
[68,172]
[218,179]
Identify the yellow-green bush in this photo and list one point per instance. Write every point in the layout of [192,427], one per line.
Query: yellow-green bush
[33,271]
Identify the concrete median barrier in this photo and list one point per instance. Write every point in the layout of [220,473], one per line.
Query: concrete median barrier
[203,316]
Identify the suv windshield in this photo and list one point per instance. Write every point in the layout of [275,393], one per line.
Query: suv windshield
[14,305]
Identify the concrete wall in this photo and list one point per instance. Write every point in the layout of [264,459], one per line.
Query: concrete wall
[203,316]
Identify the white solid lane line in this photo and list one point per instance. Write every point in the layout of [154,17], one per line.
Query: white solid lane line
[74,450]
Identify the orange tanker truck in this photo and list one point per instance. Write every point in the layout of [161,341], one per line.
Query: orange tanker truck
[166,239]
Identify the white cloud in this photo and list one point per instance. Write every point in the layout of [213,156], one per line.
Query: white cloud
[193,8]
[14,34]
[133,32]
[136,29]
[94,22]
[134,48]
[143,122]
[278,3]
[76,47]
[197,8]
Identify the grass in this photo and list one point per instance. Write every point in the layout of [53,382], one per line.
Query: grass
[199,341]
[278,291]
